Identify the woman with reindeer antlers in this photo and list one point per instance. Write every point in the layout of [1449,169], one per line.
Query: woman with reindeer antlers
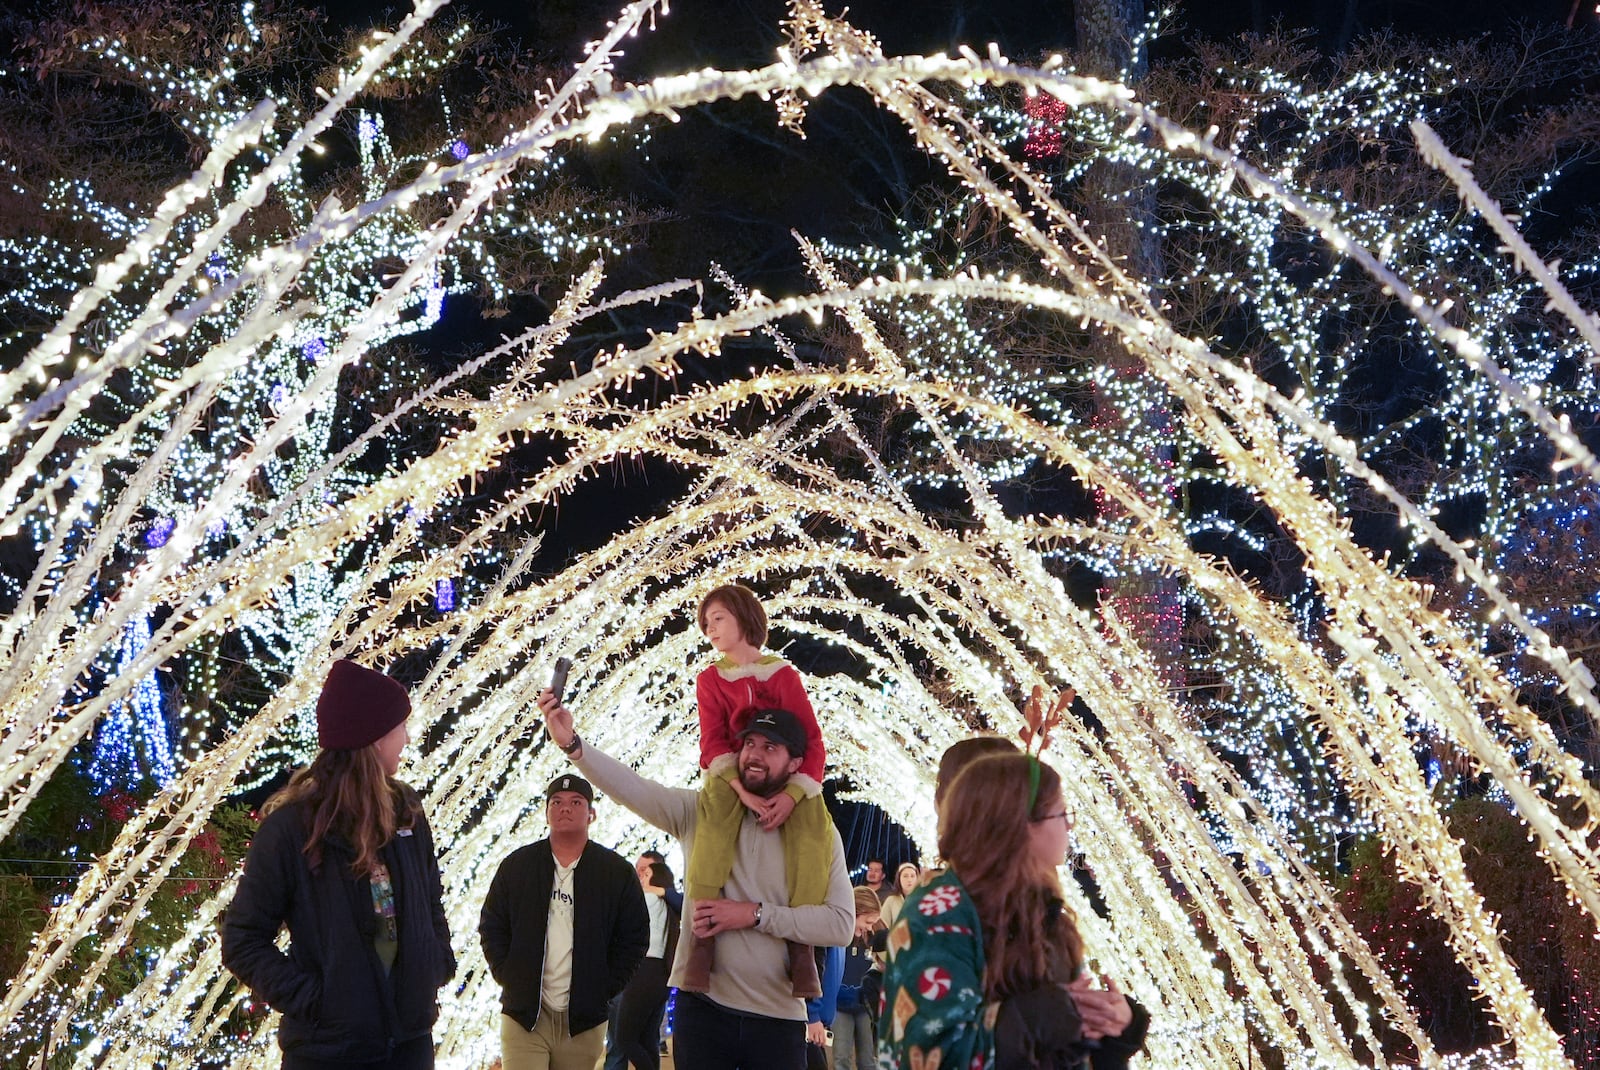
[985,958]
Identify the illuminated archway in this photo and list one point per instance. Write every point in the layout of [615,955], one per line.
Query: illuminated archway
[946,614]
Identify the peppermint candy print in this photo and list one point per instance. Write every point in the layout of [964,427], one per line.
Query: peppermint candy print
[939,901]
[934,984]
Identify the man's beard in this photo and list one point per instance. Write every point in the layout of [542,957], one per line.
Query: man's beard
[761,781]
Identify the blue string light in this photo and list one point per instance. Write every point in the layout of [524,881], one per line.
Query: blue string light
[160,531]
[134,729]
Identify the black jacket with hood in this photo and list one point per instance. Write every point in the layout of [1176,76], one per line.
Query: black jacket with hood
[338,1004]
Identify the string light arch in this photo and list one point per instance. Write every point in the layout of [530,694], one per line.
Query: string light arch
[946,618]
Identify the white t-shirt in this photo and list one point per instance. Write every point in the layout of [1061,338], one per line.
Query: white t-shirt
[558,941]
[658,925]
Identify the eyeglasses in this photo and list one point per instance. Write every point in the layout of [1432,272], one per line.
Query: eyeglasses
[1064,815]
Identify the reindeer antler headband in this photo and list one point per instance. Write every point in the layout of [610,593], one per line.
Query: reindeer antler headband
[1038,718]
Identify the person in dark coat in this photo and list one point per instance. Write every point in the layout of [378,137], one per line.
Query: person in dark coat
[563,928]
[821,1011]
[345,858]
[854,1040]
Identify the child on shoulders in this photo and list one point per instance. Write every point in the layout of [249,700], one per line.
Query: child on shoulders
[729,692]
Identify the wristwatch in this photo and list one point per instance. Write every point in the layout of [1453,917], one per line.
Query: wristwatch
[756,921]
[577,741]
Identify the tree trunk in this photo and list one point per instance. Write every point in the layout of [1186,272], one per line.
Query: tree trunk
[1115,201]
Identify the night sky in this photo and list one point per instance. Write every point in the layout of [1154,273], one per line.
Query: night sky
[737,185]
[722,29]
[721,163]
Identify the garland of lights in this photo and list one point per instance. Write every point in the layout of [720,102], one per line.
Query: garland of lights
[990,619]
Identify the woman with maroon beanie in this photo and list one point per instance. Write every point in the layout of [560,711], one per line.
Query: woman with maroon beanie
[344,858]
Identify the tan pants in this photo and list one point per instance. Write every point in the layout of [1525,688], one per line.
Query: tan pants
[547,1046]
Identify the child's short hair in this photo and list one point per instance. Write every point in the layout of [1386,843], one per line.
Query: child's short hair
[742,602]
[962,753]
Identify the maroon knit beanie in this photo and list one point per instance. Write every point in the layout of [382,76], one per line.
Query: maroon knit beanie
[358,706]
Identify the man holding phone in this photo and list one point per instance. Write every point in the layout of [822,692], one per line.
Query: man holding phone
[749,1018]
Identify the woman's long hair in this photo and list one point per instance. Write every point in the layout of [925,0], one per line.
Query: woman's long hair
[661,876]
[1030,936]
[962,753]
[348,792]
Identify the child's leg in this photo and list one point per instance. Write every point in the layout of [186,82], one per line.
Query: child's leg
[808,852]
[808,856]
[719,813]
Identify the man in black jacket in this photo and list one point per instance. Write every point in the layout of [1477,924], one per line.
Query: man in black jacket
[563,928]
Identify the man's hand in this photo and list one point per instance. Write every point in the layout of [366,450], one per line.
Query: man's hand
[713,916]
[776,810]
[557,719]
[1105,1012]
[816,1033]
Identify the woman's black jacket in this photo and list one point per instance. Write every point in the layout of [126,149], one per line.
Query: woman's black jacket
[337,1003]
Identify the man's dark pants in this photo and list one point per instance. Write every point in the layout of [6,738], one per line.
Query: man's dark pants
[706,1036]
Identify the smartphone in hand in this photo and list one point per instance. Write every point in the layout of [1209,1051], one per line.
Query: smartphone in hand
[558,678]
